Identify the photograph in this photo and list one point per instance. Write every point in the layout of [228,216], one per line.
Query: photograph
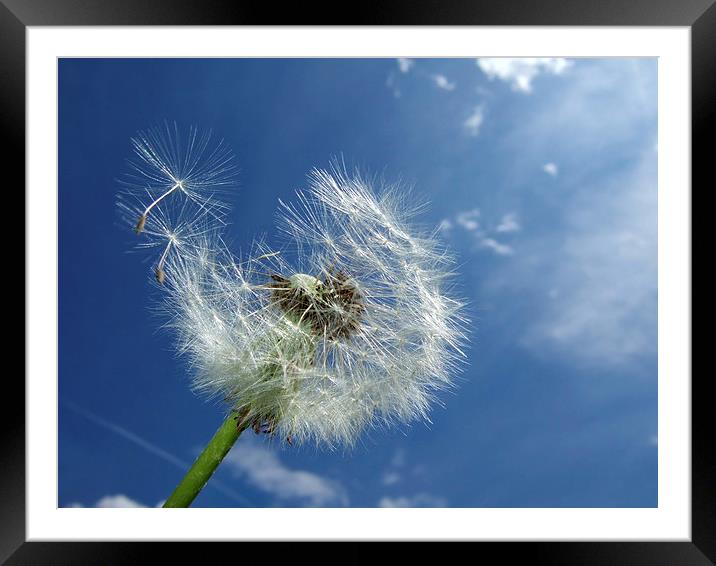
[357,282]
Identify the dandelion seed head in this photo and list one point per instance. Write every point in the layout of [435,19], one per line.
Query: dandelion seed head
[360,330]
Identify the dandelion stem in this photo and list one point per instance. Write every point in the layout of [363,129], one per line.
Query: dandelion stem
[207,462]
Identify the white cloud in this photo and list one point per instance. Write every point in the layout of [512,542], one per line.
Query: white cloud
[606,269]
[445,225]
[495,246]
[442,82]
[509,223]
[393,474]
[390,478]
[550,169]
[392,86]
[398,460]
[606,104]
[118,500]
[405,64]
[418,500]
[474,121]
[592,285]
[521,72]
[468,219]
[589,273]
[263,469]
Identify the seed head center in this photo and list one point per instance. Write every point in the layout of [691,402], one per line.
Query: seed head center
[306,284]
[332,306]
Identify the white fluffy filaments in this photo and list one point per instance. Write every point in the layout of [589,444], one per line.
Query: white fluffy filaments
[170,163]
[361,330]
[177,229]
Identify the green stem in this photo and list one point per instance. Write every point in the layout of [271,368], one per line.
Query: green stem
[205,465]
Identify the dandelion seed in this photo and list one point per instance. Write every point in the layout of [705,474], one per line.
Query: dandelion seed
[168,162]
[173,227]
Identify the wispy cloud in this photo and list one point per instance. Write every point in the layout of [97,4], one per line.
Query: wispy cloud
[468,219]
[118,501]
[393,474]
[150,448]
[390,478]
[392,85]
[405,64]
[521,72]
[474,121]
[114,501]
[398,460]
[551,169]
[495,246]
[441,81]
[606,275]
[445,226]
[589,273]
[593,288]
[263,469]
[483,239]
[418,500]
[509,223]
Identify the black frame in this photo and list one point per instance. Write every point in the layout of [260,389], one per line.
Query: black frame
[15,15]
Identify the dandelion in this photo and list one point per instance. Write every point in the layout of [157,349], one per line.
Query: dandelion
[350,326]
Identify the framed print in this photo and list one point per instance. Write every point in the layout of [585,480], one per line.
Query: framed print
[424,276]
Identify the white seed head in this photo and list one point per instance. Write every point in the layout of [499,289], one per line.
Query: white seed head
[361,330]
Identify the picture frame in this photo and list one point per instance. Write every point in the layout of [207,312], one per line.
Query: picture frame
[700,16]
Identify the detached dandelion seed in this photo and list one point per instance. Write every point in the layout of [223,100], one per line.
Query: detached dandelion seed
[360,329]
[168,162]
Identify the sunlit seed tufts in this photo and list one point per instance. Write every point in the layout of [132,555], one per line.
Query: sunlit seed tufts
[359,329]
[171,165]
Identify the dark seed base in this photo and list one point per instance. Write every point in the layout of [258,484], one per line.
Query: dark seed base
[335,290]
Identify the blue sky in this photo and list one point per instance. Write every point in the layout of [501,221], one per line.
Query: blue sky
[542,177]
